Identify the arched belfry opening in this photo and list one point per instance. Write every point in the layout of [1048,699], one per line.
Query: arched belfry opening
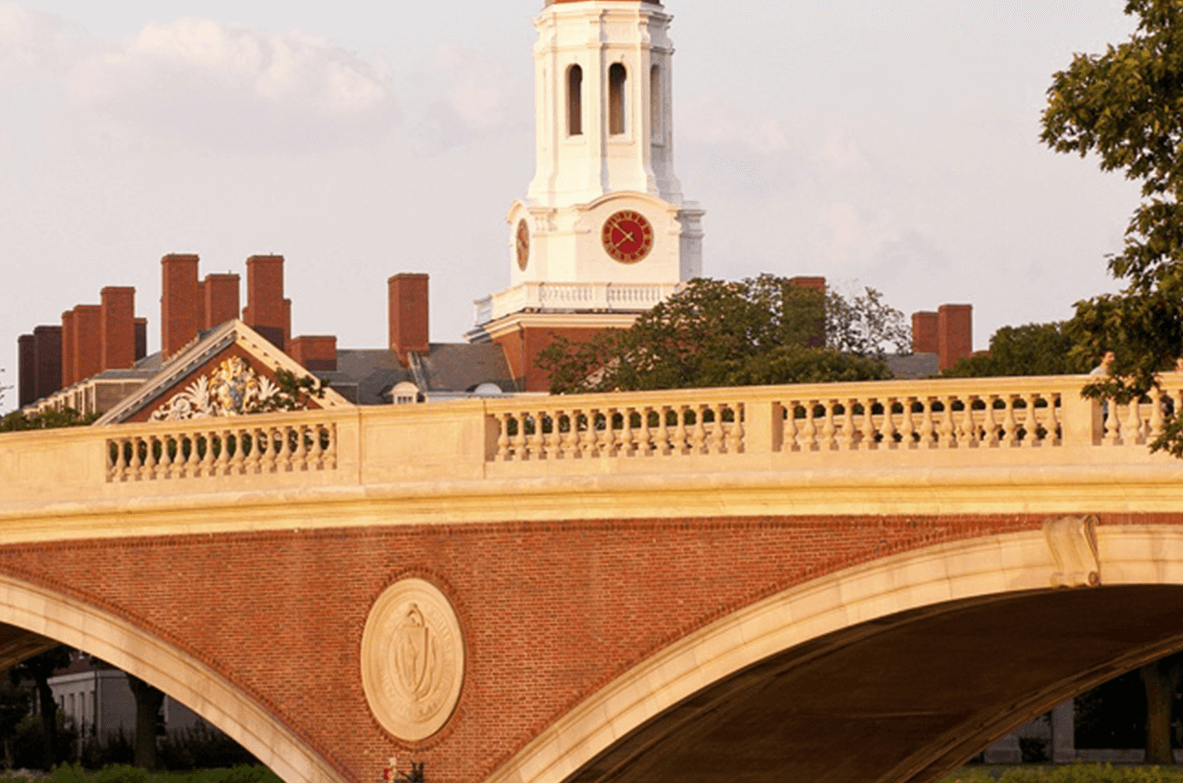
[617,83]
[575,101]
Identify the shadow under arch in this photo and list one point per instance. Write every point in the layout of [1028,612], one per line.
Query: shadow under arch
[896,670]
[50,615]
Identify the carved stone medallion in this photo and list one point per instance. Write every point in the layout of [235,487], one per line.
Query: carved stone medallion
[412,659]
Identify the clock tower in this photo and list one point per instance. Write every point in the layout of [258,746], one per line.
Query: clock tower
[603,233]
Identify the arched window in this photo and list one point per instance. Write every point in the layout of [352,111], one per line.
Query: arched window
[655,103]
[575,101]
[617,79]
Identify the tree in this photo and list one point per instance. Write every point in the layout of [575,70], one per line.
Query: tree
[715,333]
[149,700]
[39,668]
[1032,349]
[1123,106]
[49,419]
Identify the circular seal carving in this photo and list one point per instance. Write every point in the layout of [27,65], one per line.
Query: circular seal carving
[412,659]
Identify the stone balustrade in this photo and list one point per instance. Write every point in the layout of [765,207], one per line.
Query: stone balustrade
[850,426]
[597,297]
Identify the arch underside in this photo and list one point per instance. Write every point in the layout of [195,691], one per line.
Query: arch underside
[896,670]
[34,619]
[903,698]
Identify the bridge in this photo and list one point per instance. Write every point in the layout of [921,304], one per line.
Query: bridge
[855,582]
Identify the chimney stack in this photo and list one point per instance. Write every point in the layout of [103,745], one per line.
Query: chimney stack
[141,325]
[180,304]
[88,341]
[27,356]
[221,293]
[818,340]
[926,333]
[267,312]
[408,314]
[118,319]
[316,353]
[47,345]
[67,358]
[955,323]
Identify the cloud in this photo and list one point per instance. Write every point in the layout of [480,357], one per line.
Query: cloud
[230,87]
[474,99]
[32,42]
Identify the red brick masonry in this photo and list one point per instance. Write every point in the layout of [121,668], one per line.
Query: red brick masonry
[551,611]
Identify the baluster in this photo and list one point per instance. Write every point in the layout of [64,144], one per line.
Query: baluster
[136,462]
[679,437]
[503,437]
[715,437]
[907,425]
[735,434]
[115,466]
[867,432]
[607,435]
[698,434]
[1133,429]
[964,434]
[316,452]
[846,433]
[989,425]
[286,449]
[1112,425]
[628,438]
[300,448]
[887,427]
[519,440]
[1157,400]
[663,431]
[645,446]
[947,427]
[1009,436]
[1054,412]
[236,460]
[205,463]
[587,432]
[1031,423]
[808,437]
[829,428]
[559,438]
[927,426]
[164,461]
[218,439]
[330,449]
[790,424]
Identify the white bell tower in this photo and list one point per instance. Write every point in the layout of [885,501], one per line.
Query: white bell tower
[603,229]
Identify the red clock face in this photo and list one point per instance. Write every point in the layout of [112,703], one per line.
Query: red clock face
[627,236]
[522,240]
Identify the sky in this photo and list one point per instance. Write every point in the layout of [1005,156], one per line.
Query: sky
[885,144]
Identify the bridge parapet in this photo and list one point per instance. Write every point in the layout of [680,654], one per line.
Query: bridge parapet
[866,425]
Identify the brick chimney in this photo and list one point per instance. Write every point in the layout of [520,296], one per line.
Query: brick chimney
[88,341]
[955,324]
[267,312]
[27,357]
[180,303]
[141,338]
[317,353]
[408,314]
[926,335]
[818,340]
[221,292]
[118,318]
[47,346]
[67,358]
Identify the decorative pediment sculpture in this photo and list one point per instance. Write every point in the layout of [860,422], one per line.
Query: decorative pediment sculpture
[232,389]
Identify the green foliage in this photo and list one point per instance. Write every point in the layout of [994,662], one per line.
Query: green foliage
[1123,106]
[1067,773]
[46,420]
[1032,349]
[760,330]
[295,393]
[126,774]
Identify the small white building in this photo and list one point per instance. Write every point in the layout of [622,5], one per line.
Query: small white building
[100,703]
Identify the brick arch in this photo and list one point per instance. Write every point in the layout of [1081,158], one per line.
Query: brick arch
[967,572]
[72,622]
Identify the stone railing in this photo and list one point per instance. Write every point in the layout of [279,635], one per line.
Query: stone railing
[846,426]
[597,297]
[230,446]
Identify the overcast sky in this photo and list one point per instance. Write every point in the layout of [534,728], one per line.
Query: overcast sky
[888,144]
